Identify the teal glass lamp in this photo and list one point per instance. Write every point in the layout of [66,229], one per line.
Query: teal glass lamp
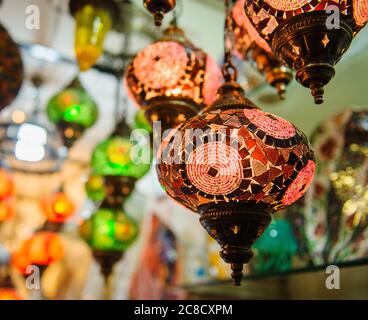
[73,111]
[275,248]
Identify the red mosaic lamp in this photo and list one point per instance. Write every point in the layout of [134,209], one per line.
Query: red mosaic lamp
[235,166]
[158,8]
[249,45]
[172,80]
[303,34]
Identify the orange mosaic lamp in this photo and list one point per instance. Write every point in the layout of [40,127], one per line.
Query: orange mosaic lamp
[42,249]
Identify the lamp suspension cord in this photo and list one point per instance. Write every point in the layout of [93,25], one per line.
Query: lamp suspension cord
[228,69]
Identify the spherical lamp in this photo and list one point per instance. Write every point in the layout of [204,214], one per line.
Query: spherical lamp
[58,208]
[235,165]
[73,111]
[310,36]
[95,188]
[42,249]
[109,232]
[171,79]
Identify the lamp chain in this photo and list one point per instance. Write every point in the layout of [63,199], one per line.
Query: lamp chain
[228,70]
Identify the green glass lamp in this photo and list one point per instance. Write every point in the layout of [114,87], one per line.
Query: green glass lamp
[109,232]
[275,248]
[95,188]
[73,111]
[141,122]
[119,155]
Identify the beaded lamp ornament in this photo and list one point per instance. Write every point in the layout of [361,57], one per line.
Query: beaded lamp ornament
[310,36]
[172,80]
[234,165]
[249,45]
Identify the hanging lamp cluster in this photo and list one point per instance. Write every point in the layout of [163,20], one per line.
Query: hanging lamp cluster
[236,165]
[310,36]
[248,45]
[171,79]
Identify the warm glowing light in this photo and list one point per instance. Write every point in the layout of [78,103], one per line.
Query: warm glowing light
[18,116]
[58,207]
[9,294]
[43,249]
[7,210]
[6,185]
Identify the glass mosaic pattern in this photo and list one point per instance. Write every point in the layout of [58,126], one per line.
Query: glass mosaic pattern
[173,67]
[11,69]
[233,159]
[267,15]
[244,32]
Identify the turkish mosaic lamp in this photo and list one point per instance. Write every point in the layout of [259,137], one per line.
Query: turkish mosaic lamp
[310,36]
[237,165]
[248,45]
[332,220]
[172,79]
[275,249]
[73,111]
[11,69]
[109,232]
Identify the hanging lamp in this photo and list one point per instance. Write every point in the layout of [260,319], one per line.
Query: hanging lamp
[158,8]
[310,36]
[171,79]
[41,249]
[249,45]
[109,232]
[11,69]
[234,165]
[73,111]
[94,19]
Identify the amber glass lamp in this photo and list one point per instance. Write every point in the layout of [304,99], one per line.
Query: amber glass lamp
[11,69]
[73,111]
[93,19]
[235,165]
[171,79]
[304,34]
[249,45]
